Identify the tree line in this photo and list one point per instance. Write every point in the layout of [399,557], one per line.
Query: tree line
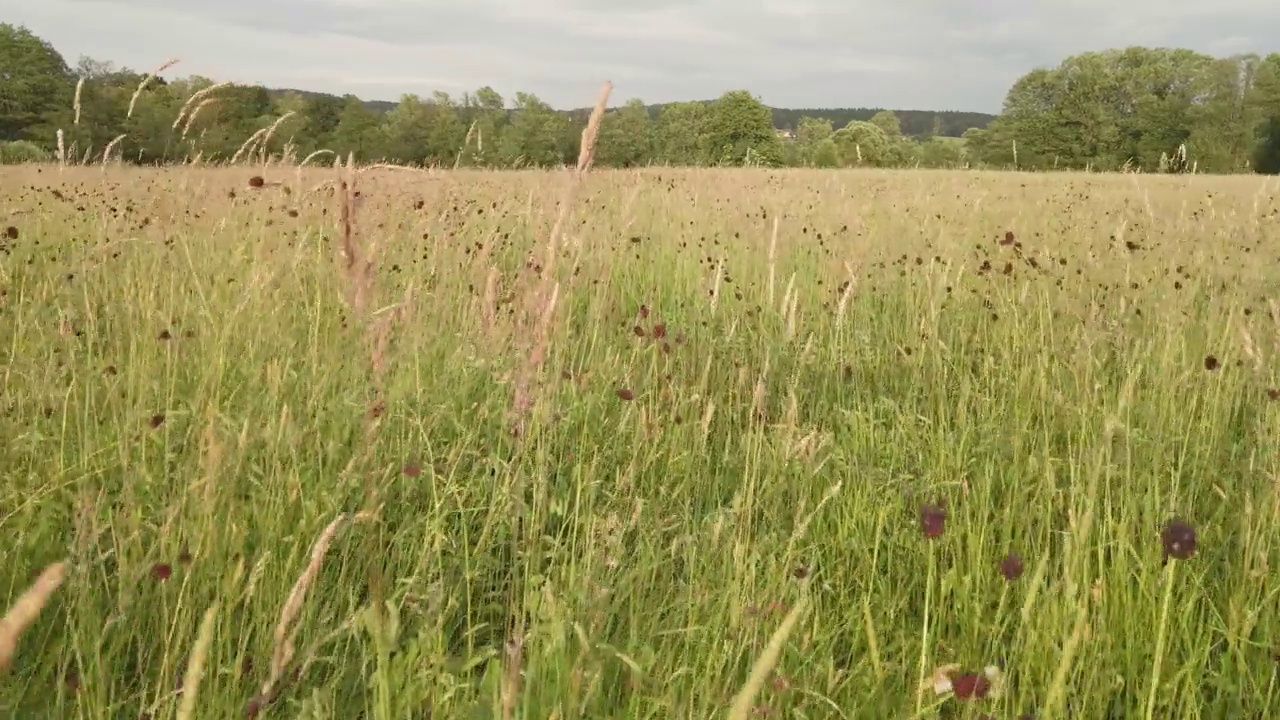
[1138,108]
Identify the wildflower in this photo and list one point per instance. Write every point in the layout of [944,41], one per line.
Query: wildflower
[933,521]
[1178,539]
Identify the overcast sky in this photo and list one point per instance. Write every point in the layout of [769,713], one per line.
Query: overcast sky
[903,54]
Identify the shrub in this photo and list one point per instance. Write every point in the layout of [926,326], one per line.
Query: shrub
[21,151]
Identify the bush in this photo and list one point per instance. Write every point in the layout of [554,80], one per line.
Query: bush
[21,151]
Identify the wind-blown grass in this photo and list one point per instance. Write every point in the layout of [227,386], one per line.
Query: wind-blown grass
[917,384]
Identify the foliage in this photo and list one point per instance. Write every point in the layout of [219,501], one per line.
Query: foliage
[739,131]
[34,83]
[1134,108]
[16,152]
[914,123]
[626,136]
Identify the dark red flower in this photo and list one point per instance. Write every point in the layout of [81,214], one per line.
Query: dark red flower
[161,572]
[72,679]
[1011,566]
[412,470]
[1211,363]
[659,330]
[626,394]
[257,181]
[1178,539]
[11,232]
[157,420]
[933,521]
[970,686]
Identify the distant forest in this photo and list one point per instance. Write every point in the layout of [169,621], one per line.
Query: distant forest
[915,123]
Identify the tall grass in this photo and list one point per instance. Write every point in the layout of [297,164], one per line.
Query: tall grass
[791,441]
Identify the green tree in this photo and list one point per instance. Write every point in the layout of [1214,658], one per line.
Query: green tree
[407,131]
[485,115]
[34,83]
[535,136]
[861,143]
[1133,106]
[740,129]
[321,115]
[290,101]
[444,142]
[626,136]
[227,123]
[681,135]
[1265,99]
[423,132]
[942,152]
[149,133]
[105,96]
[888,121]
[1028,129]
[815,143]
[358,132]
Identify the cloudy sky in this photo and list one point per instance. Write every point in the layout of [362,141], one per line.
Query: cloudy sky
[905,54]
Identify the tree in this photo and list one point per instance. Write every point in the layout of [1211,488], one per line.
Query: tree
[407,129]
[227,123]
[888,121]
[423,132]
[942,152]
[1224,123]
[357,132]
[485,115]
[445,140]
[740,130]
[626,136]
[1132,108]
[680,137]
[815,143]
[105,94]
[1265,97]
[149,133]
[535,136]
[861,143]
[34,83]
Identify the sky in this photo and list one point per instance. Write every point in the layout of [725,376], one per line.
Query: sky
[900,54]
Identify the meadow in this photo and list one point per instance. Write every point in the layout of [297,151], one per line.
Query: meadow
[847,444]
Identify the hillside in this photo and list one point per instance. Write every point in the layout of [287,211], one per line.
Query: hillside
[914,122]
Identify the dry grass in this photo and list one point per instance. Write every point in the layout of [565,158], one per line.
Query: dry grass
[142,84]
[26,609]
[748,384]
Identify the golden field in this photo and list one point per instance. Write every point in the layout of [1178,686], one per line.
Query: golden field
[395,449]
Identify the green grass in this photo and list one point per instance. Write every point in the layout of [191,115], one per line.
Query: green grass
[777,448]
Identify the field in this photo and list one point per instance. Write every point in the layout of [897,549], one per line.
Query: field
[1015,429]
